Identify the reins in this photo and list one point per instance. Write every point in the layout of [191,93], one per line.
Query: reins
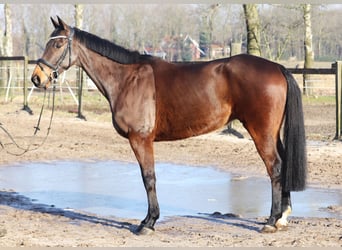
[37,128]
[53,78]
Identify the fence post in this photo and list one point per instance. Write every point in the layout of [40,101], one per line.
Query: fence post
[25,107]
[24,81]
[338,88]
[80,91]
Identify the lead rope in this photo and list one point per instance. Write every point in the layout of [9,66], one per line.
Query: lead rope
[37,128]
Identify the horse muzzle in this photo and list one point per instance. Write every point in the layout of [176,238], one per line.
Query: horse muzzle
[40,79]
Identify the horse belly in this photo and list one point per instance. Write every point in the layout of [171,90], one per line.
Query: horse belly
[194,100]
[196,121]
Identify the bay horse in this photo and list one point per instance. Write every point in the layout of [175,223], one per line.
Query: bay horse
[154,100]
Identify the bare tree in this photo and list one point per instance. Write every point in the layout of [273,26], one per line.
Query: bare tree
[281,26]
[79,24]
[8,42]
[79,16]
[253,29]
[279,39]
[212,12]
[309,54]
[206,33]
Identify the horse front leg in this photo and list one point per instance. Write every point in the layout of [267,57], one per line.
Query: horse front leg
[143,149]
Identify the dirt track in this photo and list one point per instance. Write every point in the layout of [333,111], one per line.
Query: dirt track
[28,224]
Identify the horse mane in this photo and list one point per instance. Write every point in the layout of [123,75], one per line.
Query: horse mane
[109,49]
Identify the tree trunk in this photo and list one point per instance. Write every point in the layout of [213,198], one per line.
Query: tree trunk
[7,44]
[308,49]
[78,24]
[253,29]
[79,15]
[206,34]
[1,42]
[212,11]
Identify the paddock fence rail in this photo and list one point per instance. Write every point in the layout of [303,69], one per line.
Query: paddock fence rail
[336,70]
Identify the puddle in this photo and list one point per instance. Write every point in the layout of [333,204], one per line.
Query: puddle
[116,188]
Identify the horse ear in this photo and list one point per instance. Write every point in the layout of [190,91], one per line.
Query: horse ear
[55,24]
[62,24]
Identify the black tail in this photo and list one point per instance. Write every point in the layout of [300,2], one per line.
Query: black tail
[294,163]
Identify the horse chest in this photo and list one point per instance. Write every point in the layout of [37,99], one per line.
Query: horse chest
[134,113]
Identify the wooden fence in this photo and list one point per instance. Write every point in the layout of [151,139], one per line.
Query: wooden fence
[336,69]
[24,60]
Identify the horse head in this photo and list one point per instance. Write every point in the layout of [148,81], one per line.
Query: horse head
[57,56]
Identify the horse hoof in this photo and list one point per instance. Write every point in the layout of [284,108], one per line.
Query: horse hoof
[142,230]
[281,224]
[269,229]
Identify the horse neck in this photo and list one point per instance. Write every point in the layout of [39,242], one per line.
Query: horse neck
[102,71]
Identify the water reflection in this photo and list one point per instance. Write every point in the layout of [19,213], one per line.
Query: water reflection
[116,188]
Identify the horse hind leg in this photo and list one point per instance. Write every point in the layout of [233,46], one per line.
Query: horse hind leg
[286,206]
[281,200]
[267,147]
[276,208]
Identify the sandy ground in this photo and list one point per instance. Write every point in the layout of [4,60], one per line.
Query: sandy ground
[29,224]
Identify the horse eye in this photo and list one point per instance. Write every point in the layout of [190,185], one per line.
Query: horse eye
[57,45]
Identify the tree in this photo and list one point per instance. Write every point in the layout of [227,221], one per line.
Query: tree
[253,29]
[281,39]
[7,39]
[206,33]
[79,16]
[78,24]
[155,25]
[308,48]
[7,43]
[211,15]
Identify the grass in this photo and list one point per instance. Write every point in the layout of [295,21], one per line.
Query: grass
[316,100]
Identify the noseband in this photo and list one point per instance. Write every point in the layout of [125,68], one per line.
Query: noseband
[54,73]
